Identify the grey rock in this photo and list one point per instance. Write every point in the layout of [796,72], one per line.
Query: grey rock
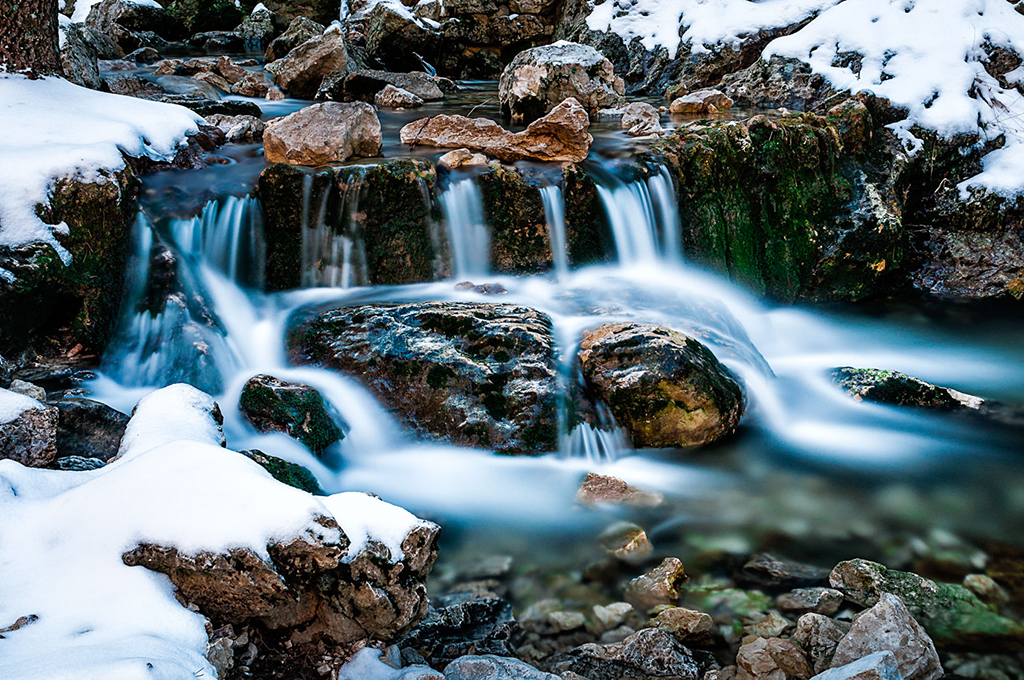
[257,29]
[238,129]
[779,83]
[819,635]
[767,570]
[365,84]
[645,655]
[79,463]
[889,626]
[493,668]
[301,72]
[88,429]
[31,437]
[78,59]
[28,389]
[454,627]
[878,666]
[817,600]
[898,389]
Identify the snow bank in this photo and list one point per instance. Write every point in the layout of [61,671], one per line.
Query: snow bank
[88,616]
[51,129]
[82,7]
[367,665]
[171,414]
[13,405]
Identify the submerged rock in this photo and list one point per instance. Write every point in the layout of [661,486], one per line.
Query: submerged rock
[645,655]
[472,374]
[297,410]
[367,84]
[541,78]
[561,135]
[664,388]
[323,133]
[301,72]
[898,389]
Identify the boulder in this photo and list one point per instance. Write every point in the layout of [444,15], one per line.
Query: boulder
[132,85]
[648,654]
[251,85]
[323,133]
[480,375]
[559,136]
[453,628]
[395,97]
[215,79]
[366,84]
[701,101]
[664,388]
[597,489]
[299,31]
[301,72]
[819,635]
[660,586]
[395,36]
[131,25]
[778,82]
[953,616]
[78,58]
[28,430]
[539,79]
[238,129]
[888,626]
[231,71]
[772,659]
[207,16]
[638,119]
[88,429]
[490,667]
[297,410]
[101,43]
[898,389]
[258,29]
[878,666]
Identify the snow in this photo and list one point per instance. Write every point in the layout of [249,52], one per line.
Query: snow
[82,7]
[259,8]
[51,129]
[13,405]
[367,664]
[91,617]
[364,517]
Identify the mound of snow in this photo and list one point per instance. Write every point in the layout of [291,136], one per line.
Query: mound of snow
[13,405]
[52,129]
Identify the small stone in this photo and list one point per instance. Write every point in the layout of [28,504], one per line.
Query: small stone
[489,667]
[986,589]
[274,94]
[565,621]
[395,97]
[878,666]
[889,626]
[770,626]
[767,570]
[818,600]
[701,101]
[627,542]
[605,489]
[819,635]
[238,129]
[28,389]
[215,79]
[659,586]
[773,659]
[460,157]
[645,655]
[612,615]
[687,625]
[79,463]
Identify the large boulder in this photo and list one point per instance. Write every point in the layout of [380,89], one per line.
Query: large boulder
[561,135]
[539,79]
[366,84]
[395,36]
[131,24]
[301,72]
[323,133]
[480,375]
[78,58]
[776,83]
[298,410]
[299,31]
[666,389]
[28,430]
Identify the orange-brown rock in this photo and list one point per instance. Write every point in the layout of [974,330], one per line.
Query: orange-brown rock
[323,133]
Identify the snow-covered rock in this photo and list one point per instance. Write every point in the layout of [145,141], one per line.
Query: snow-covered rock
[28,430]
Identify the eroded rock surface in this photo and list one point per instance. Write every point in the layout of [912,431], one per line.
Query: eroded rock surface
[323,133]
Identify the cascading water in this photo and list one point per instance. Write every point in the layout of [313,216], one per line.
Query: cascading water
[332,248]
[468,234]
[227,235]
[554,214]
[643,217]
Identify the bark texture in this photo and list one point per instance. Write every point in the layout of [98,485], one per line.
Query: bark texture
[28,37]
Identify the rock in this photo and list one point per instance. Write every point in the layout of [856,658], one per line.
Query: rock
[285,472]
[778,82]
[88,429]
[472,374]
[297,410]
[395,97]
[196,417]
[143,55]
[638,119]
[490,667]
[562,622]
[78,58]
[100,43]
[128,23]
[541,78]
[275,94]
[238,129]
[322,11]
[257,29]
[664,388]
[772,659]
[953,616]
[208,16]
[216,41]
[188,87]
[626,541]
[819,636]
[366,84]
[323,133]
[604,489]
[215,79]
[899,389]
[560,136]
[659,586]
[79,464]
[772,625]
[645,655]
[817,600]
[701,101]
[986,589]
[394,38]
[132,85]
[231,71]
[252,85]
[460,157]
[301,72]
[889,626]
[28,434]
[28,389]
[613,615]
[767,570]
[111,65]
[686,625]
[299,31]
[878,666]
[454,629]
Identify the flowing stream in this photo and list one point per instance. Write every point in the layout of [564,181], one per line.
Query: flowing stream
[801,438]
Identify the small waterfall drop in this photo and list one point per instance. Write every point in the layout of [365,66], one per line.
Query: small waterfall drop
[666,209]
[228,236]
[643,216]
[468,234]
[332,251]
[554,214]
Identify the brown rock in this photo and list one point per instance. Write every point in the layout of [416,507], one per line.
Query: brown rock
[302,71]
[460,157]
[396,97]
[231,71]
[772,659]
[772,625]
[238,129]
[215,79]
[560,136]
[701,101]
[626,541]
[30,438]
[819,635]
[251,85]
[687,625]
[604,489]
[323,133]
[659,586]
[648,654]
[299,31]
[889,626]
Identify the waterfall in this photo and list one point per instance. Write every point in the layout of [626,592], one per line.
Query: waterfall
[554,215]
[469,236]
[666,209]
[228,236]
[643,216]
[332,251]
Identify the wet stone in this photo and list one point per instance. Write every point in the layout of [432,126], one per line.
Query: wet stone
[769,571]
[597,489]
[659,586]
[627,542]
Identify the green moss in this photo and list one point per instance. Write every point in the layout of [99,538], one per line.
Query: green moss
[515,212]
[286,473]
[200,16]
[297,410]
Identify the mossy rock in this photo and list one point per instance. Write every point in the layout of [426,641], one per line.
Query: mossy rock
[56,306]
[953,616]
[896,389]
[588,235]
[287,473]
[515,213]
[297,410]
[200,16]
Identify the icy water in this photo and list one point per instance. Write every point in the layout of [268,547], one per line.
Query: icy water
[823,473]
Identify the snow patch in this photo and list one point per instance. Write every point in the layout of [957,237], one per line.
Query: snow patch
[364,517]
[82,7]
[13,405]
[52,129]
[175,413]
[367,664]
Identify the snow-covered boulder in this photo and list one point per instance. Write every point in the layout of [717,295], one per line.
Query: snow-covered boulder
[304,68]
[539,79]
[259,28]
[28,430]
[323,133]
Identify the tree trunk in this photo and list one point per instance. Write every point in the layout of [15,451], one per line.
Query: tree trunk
[28,37]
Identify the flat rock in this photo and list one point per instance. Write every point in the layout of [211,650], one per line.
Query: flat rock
[878,666]
[323,133]
[898,389]
[396,97]
[701,101]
